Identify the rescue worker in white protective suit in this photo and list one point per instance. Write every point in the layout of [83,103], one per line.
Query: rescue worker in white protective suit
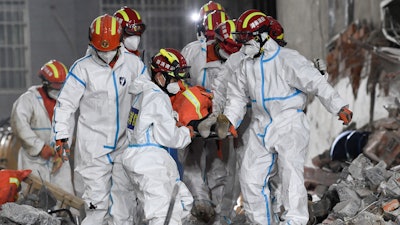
[133,28]
[152,130]
[98,86]
[229,49]
[205,170]
[277,80]
[31,118]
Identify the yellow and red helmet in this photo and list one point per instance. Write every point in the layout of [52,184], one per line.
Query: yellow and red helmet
[105,33]
[53,74]
[223,35]
[204,11]
[131,21]
[250,24]
[211,21]
[276,31]
[171,63]
[210,7]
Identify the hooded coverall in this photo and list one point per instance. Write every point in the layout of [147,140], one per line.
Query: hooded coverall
[232,187]
[153,172]
[100,92]
[31,123]
[206,178]
[277,83]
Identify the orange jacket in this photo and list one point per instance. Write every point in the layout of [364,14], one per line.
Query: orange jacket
[192,103]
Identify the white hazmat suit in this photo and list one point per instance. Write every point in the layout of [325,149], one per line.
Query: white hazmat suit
[277,83]
[153,172]
[101,95]
[31,123]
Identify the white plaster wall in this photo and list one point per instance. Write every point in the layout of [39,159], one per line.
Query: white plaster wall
[308,30]
[325,127]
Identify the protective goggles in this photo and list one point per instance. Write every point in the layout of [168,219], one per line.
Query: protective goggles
[53,85]
[135,29]
[243,36]
[180,72]
[56,85]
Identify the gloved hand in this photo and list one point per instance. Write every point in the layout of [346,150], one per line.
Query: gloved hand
[320,64]
[47,152]
[224,126]
[192,134]
[57,163]
[62,149]
[345,115]
[179,124]
[233,131]
[204,126]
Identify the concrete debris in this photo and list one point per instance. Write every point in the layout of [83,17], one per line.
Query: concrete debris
[30,216]
[367,188]
[365,194]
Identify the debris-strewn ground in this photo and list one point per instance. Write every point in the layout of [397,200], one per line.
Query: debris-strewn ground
[359,189]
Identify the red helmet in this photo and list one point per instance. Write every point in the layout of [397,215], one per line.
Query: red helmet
[204,11]
[211,21]
[276,31]
[223,35]
[250,24]
[170,62]
[131,21]
[105,33]
[209,7]
[53,74]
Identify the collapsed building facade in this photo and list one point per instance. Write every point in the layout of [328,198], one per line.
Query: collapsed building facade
[347,185]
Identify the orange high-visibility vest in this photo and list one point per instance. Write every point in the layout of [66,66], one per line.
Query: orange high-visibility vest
[10,181]
[192,103]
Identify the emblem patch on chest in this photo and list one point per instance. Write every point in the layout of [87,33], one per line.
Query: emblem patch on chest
[122,81]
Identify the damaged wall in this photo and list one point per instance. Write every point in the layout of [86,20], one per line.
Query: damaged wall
[346,34]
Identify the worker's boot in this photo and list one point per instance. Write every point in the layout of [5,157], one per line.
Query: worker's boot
[203,210]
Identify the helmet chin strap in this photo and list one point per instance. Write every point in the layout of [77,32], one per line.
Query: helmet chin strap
[261,41]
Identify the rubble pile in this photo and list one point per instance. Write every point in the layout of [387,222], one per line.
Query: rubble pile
[367,189]
[12,213]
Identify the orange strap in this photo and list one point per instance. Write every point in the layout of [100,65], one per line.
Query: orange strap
[49,103]
[219,150]
[211,55]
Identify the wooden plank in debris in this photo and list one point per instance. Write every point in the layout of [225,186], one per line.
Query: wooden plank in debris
[66,199]
[316,176]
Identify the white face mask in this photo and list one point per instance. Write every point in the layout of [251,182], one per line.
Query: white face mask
[107,56]
[251,48]
[173,88]
[53,93]
[223,54]
[132,42]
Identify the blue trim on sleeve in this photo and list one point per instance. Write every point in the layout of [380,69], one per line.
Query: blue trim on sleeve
[203,82]
[70,74]
[144,69]
[41,128]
